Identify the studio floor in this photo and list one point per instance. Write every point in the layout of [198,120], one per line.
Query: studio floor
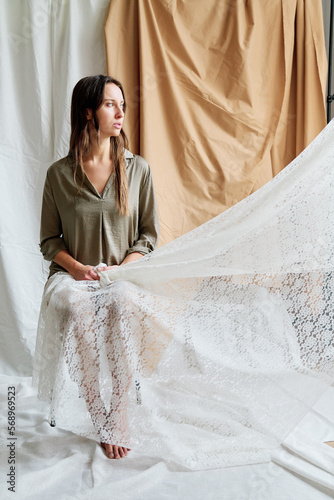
[51,463]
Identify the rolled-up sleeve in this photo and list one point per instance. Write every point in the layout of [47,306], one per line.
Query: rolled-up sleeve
[51,241]
[148,218]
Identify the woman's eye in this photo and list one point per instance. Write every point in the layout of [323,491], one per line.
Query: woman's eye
[110,104]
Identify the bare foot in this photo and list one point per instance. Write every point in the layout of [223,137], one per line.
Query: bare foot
[115,451]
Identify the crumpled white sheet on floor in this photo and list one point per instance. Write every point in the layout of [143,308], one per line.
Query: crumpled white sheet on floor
[53,464]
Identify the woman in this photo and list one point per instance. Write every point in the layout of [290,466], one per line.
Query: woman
[98,206]
[238,302]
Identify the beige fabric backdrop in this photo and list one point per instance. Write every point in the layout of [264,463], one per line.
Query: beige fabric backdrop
[222,94]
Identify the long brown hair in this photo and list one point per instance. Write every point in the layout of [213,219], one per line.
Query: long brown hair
[88,93]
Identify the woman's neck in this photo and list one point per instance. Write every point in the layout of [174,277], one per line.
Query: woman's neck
[99,153]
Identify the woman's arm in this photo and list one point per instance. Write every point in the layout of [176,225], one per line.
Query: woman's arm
[76,269]
[52,244]
[131,257]
[51,241]
[148,223]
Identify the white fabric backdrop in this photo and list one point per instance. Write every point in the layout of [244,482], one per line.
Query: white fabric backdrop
[45,47]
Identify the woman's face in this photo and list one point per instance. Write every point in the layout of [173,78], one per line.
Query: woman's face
[110,114]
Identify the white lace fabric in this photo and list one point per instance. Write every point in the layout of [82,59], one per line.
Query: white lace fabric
[208,351]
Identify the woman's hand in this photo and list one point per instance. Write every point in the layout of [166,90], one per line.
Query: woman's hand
[81,272]
[106,268]
[130,258]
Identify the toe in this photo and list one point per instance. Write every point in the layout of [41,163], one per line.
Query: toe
[115,451]
[108,449]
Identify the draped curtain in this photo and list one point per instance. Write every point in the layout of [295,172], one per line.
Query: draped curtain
[46,46]
[221,95]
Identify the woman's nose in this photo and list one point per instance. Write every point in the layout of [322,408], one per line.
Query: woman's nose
[120,111]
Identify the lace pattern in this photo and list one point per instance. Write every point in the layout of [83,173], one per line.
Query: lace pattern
[208,351]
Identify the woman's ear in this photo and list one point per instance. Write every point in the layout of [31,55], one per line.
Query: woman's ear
[89,114]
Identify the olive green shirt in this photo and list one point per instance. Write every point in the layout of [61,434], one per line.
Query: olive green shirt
[75,217]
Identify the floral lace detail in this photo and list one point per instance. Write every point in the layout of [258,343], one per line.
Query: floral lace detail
[208,351]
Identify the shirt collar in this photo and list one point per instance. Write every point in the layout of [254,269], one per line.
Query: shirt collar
[128,154]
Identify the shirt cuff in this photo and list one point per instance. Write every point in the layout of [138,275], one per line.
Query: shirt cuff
[51,247]
[141,248]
